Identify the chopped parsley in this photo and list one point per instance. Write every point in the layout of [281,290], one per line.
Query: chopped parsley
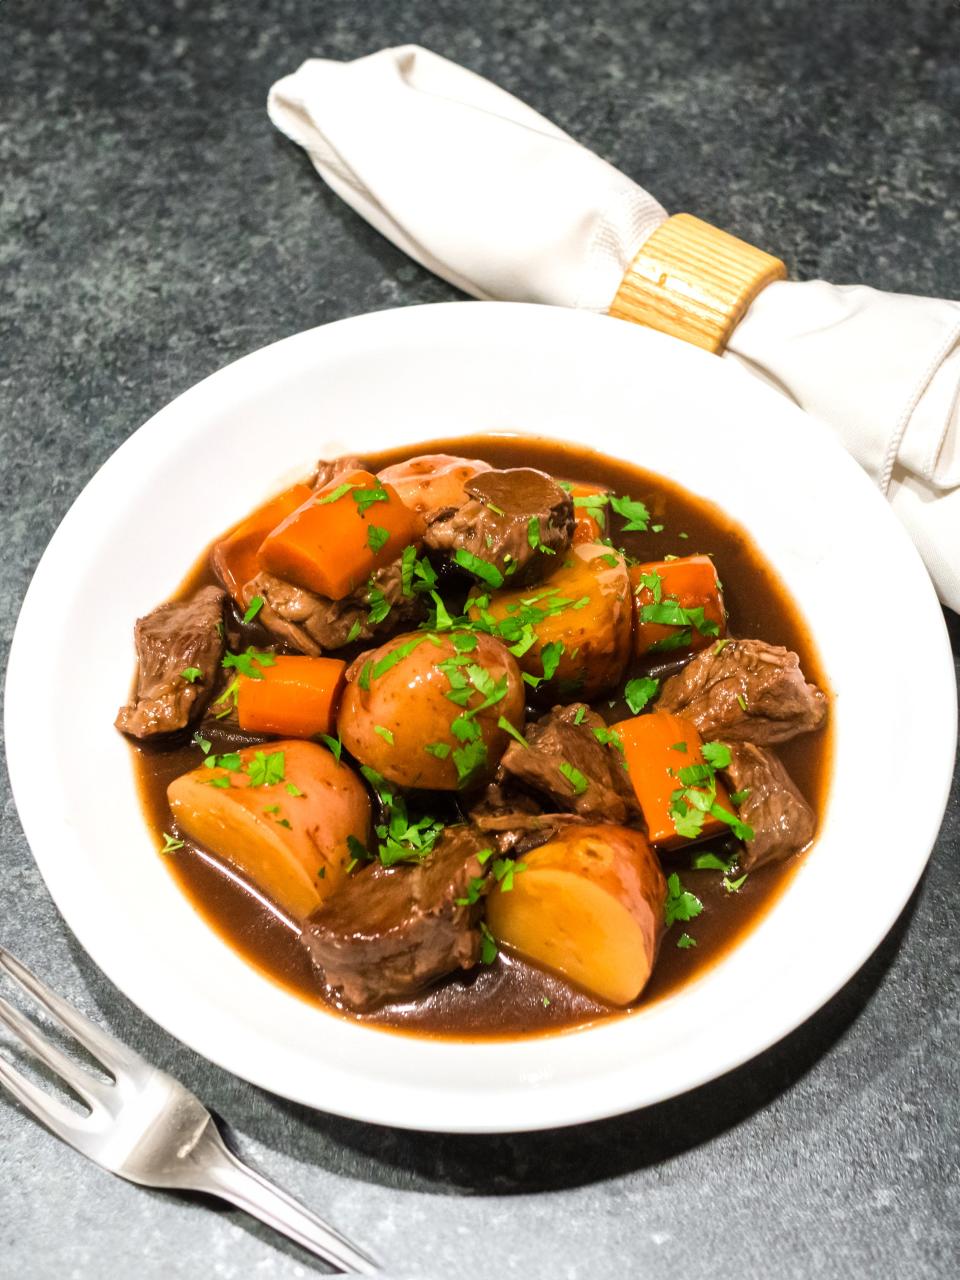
[365,498]
[335,494]
[399,838]
[191,674]
[712,862]
[475,891]
[578,782]
[488,945]
[248,663]
[738,797]
[439,749]
[734,886]
[595,505]
[637,693]
[678,746]
[390,660]
[379,604]
[335,745]
[504,869]
[670,613]
[742,702]
[363,679]
[685,941]
[253,608]
[550,656]
[383,732]
[377,537]
[293,790]
[580,713]
[504,724]
[680,905]
[170,845]
[482,569]
[635,514]
[201,742]
[716,754]
[354,632]
[266,768]
[535,538]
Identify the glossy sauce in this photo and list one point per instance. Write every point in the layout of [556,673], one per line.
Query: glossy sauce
[512,997]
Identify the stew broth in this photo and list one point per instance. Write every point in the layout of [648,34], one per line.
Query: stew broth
[512,997]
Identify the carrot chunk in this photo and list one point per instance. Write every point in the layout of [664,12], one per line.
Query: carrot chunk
[590,523]
[235,556]
[296,697]
[340,535]
[676,589]
[656,747]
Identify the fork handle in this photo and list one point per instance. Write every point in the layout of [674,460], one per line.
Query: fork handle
[231,1179]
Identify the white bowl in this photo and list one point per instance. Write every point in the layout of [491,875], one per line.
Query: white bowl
[416,374]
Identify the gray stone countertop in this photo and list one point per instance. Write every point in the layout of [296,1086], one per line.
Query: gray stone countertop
[154,228]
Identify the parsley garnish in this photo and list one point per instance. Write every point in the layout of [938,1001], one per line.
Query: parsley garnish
[439,749]
[685,941]
[248,663]
[353,633]
[170,845]
[738,797]
[334,744]
[517,736]
[384,733]
[637,693]
[266,769]
[680,905]
[488,945]
[711,862]
[202,743]
[396,655]
[293,790]
[670,613]
[580,713]
[504,869]
[482,569]
[595,506]
[190,674]
[253,608]
[365,498]
[734,886]
[535,539]
[576,779]
[377,537]
[550,656]
[335,494]
[363,679]
[635,513]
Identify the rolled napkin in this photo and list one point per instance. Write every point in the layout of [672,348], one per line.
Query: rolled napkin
[488,194]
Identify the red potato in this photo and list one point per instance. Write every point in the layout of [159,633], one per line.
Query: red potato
[292,847]
[432,480]
[593,627]
[590,905]
[396,706]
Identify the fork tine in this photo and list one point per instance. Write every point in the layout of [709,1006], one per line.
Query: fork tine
[50,1111]
[109,1052]
[80,1080]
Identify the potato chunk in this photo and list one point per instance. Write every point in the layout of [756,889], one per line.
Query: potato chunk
[589,905]
[424,710]
[582,611]
[281,814]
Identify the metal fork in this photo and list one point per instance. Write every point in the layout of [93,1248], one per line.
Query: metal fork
[146,1127]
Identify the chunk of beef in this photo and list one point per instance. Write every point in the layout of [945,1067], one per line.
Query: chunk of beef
[176,637]
[567,762]
[326,471]
[749,691]
[515,820]
[313,624]
[495,524]
[388,932]
[781,819]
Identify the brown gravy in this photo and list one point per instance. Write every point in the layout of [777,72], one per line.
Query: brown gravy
[512,997]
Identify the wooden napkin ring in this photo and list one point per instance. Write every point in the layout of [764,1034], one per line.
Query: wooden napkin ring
[694,281]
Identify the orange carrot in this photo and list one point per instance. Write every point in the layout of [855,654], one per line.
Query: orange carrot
[296,698]
[690,583]
[235,556]
[334,541]
[586,527]
[653,745]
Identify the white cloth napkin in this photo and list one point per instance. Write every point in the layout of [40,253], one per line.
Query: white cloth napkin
[488,194]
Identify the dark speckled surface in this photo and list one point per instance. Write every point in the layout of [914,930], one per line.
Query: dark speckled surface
[154,227]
